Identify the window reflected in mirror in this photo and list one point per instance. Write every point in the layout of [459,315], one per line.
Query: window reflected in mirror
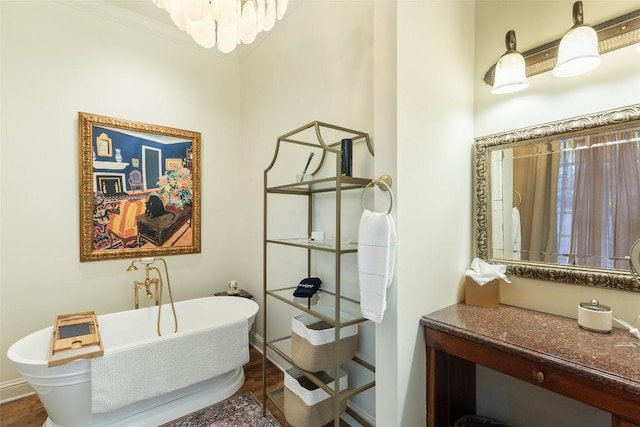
[572,200]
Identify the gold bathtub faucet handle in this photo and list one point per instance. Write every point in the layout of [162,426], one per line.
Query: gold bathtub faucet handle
[156,282]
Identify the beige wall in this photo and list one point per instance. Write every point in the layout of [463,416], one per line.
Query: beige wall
[299,74]
[435,127]
[409,72]
[56,61]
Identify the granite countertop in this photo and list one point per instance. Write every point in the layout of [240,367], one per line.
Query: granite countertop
[556,341]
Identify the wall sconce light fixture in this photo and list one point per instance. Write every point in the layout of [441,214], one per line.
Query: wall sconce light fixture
[613,34]
[510,73]
[578,50]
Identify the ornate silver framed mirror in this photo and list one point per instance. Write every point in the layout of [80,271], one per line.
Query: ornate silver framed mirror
[560,201]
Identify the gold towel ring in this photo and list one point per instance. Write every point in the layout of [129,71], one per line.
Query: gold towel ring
[384,183]
[515,192]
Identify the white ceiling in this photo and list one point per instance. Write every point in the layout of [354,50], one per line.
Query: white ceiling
[145,15]
[143,7]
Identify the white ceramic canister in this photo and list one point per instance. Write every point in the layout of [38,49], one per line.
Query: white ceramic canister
[595,317]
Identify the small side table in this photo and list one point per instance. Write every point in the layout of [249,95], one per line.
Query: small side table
[241,293]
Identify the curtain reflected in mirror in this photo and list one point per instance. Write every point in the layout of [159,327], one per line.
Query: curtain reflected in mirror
[568,201]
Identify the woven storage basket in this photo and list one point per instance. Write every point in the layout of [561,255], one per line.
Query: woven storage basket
[306,404]
[312,341]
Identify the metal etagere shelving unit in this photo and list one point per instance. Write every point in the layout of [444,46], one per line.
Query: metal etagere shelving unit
[311,136]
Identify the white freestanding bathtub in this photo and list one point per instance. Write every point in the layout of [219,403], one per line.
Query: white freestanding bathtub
[66,390]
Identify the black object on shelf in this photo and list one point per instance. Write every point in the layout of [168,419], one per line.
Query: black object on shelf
[347,156]
[307,287]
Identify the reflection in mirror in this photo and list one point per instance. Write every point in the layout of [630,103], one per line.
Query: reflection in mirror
[574,200]
[634,260]
[561,201]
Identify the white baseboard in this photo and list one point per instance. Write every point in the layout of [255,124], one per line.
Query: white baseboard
[14,390]
[273,357]
[365,416]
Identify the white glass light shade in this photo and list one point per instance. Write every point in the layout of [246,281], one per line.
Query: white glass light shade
[578,52]
[196,10]
[204,31]
[261,11]
[227,37]
[225,11]
[510,74]
[178,18]
[226,23]
[171,6]
[270,15]
[248,23]
[282,8]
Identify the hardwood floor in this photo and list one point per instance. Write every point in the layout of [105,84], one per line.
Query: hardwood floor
[28,412]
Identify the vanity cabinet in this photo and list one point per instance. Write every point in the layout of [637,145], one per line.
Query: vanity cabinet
[601,370]
[290,239]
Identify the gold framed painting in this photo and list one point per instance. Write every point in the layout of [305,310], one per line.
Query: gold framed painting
[139,189]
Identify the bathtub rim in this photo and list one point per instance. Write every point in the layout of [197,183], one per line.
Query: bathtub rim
[18,359]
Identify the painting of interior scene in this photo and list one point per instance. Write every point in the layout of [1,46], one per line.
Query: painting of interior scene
[142,190]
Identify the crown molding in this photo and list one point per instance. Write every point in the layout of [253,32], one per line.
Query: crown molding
[145,24]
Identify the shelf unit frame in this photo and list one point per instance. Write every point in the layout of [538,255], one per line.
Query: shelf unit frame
[335,184]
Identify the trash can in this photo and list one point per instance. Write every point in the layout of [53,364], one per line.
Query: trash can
[477,421]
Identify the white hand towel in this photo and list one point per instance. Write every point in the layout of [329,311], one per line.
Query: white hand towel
[516,233]
[376,262]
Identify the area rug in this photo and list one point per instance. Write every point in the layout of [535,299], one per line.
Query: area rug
[239,411]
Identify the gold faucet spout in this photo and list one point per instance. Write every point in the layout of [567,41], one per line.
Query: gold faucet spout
[156,282]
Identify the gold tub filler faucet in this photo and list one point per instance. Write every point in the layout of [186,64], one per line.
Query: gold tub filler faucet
[157,284]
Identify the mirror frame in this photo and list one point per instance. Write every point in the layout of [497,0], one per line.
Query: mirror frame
[614,279]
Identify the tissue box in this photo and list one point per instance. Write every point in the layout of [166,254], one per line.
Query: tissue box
[487,295]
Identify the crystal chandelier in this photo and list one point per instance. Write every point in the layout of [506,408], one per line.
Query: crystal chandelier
[226,23]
